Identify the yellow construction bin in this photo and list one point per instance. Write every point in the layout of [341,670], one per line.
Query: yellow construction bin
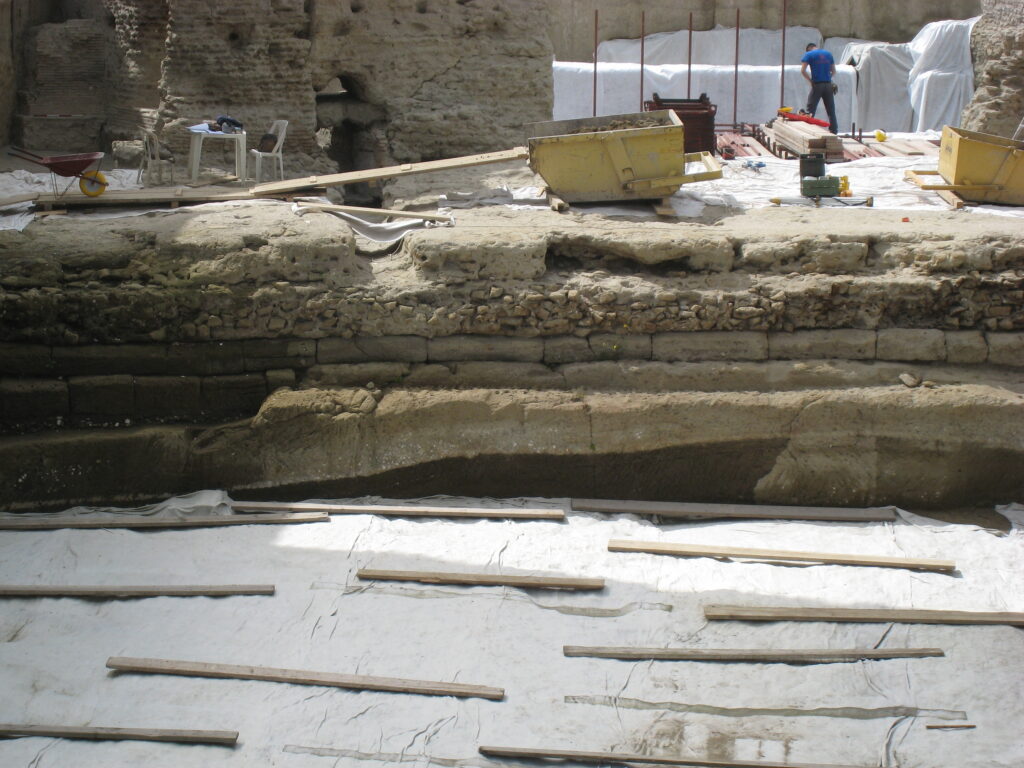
[981,167]
[616,157]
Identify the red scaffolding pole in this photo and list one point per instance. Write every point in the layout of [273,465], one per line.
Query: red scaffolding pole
[689,57]
[736,71]
[595,63]
[642,36]
[782,68]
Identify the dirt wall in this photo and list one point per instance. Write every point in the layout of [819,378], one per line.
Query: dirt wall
[997,46]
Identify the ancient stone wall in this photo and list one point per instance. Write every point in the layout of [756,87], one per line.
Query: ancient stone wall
[997,45]
[137,47]
[8,77]
[444,77]
[572,21]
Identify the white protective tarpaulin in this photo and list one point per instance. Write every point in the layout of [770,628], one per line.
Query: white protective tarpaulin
[324,618]
[921,85]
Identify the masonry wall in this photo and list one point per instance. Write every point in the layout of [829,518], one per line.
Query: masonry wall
[8,80]
[997,45]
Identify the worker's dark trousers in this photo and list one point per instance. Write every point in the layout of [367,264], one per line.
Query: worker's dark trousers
[823,91]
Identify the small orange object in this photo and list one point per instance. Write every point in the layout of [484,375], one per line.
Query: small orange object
[906,218]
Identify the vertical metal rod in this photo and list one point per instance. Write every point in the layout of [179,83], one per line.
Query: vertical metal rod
[689,57]
[736,71]
[642,36]
[782,69]
[595,63]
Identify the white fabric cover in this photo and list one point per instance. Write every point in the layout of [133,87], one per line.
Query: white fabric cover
[882,72]
[942,79]
[618,89]
[758,47]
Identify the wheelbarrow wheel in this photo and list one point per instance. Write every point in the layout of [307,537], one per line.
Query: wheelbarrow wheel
[92,183]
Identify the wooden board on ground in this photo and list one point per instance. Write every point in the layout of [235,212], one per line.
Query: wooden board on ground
[856,150]
[173,196]
[17,199]
[406,169]
[741,511]
[621,758]
[949,726]
[115,592]
[780,555]
[385,212]
[12,523]
[482,579]
[96,733]
[865,615]
[404,510]
[301,677]
[752,655]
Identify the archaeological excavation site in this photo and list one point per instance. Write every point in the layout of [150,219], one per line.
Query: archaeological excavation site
[496,384]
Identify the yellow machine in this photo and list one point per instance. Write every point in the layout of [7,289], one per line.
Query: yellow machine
[978,167]
[616,157]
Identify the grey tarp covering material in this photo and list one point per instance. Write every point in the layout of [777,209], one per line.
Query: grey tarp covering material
[324,618]
[378,231]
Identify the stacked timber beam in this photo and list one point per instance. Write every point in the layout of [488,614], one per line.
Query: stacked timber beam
[803,138]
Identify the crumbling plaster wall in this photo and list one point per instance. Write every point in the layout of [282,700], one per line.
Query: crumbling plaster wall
[138,40]
[454,77]
[572,21]
[997,45]
[8,79]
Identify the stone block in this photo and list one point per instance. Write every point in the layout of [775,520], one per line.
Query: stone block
[491,375]
[481,255]
[28,400]
[614,346]
[839,344]
[906,344]
[710,345]
[469,347]
[1006,349]
[966,347]
[167,397]
[280,377]
[267,354]
[567,349]
[205,359]
[393,349]
[110,359]
[102,395]
[237,395]
[337,350]
[355,374]
[25,359]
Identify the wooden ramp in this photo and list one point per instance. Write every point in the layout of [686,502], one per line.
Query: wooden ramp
[170,196]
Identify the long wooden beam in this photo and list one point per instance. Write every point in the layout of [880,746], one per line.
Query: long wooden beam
[740,511]
[753,655]
[404,510]
[114,592]
[393,171]
[96,733]
[482,579]
[12,523]
[696,550]
[626,759]
[867,615]
[302,677]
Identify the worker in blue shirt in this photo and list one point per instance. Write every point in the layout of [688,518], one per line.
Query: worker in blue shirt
[822,67]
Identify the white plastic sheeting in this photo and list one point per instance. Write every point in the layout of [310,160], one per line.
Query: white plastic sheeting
[916,86]
[618,90]
[324,618]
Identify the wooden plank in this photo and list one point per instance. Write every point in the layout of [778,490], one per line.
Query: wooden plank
[866,615]
[402,510]
[16,199]
[301,677]
[952,198]
[387,212]
[949,726]
[622,758]
[97,733]
[741,511]
[753,655]
[482,579]
[12,523]
[150,196]
[406,169]
[114,592]
[697,550]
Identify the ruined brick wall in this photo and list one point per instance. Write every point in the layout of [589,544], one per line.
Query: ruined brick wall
[248,59]
[450,77]
[8,82]
[137,45]
[997,45]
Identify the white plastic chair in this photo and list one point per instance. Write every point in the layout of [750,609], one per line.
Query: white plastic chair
[151,162]
[279,128]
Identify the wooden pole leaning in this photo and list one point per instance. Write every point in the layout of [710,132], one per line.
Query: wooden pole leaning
[482,579]
[96,733]
[116,592]
[751,655]
[302,677]
[12,523]
[403,510]
[780,555]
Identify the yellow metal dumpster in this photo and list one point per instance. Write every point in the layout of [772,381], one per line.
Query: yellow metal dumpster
[981,167]
[616,157]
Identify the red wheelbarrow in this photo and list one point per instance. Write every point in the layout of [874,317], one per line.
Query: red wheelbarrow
[92,183]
